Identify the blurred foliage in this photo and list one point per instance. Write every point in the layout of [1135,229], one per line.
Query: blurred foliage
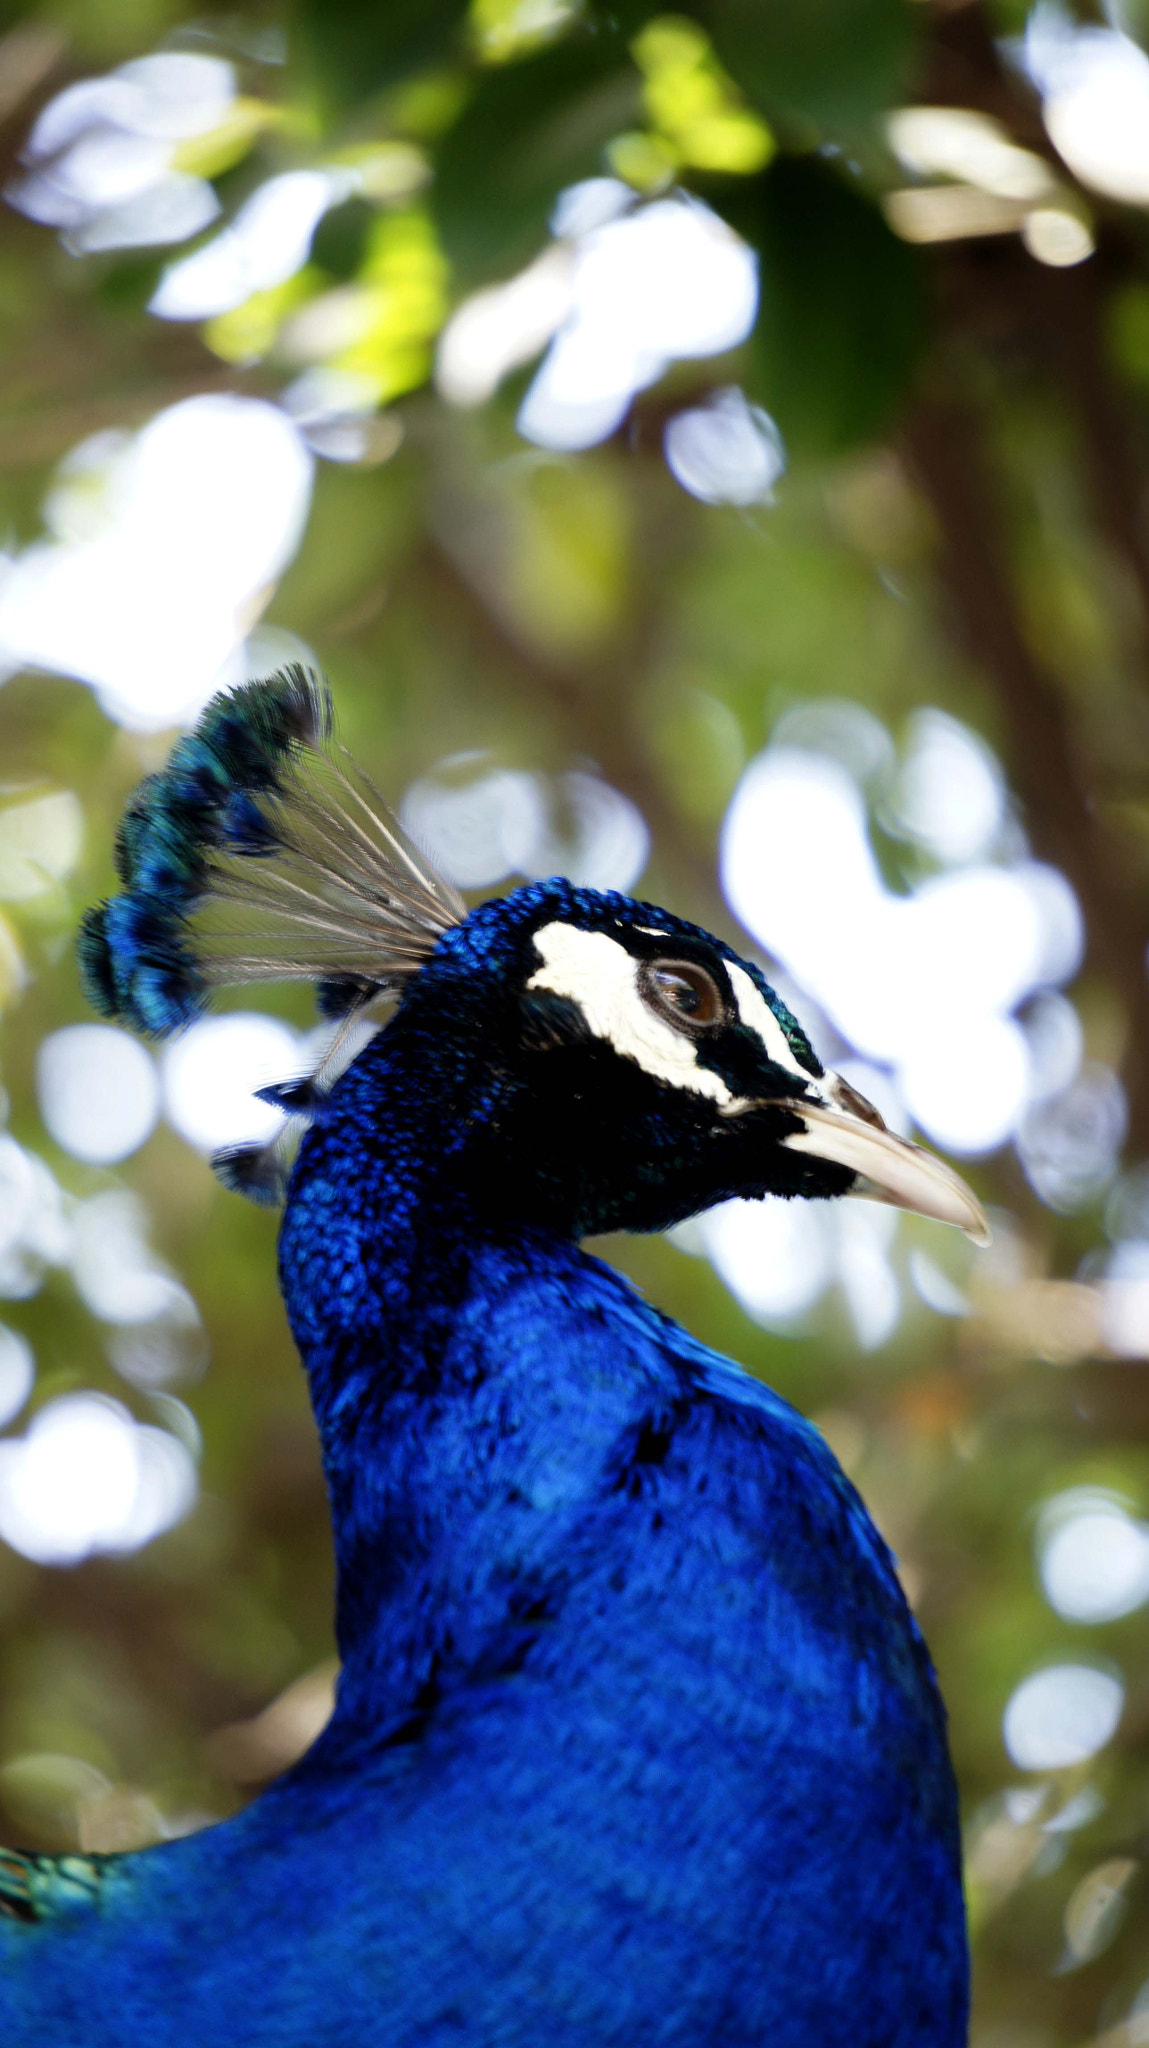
[963,524]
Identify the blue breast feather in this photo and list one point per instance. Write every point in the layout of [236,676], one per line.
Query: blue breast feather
[636,1739]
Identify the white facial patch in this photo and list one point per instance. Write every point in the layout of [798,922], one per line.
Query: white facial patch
[757,1015]
[594,971]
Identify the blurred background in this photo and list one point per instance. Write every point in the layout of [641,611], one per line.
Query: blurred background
[709,452]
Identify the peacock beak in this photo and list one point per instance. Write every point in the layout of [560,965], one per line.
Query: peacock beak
[846,1128]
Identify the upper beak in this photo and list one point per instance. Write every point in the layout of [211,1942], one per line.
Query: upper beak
[846,1128]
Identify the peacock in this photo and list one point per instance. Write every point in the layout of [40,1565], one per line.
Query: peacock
[635,1740]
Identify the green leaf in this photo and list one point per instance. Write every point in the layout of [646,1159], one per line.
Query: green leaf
[841,320]
[816,68]
[358,48]
[532,128]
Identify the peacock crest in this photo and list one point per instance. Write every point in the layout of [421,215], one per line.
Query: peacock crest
[261,853]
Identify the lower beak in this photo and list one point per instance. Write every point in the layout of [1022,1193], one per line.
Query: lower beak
[847,1129]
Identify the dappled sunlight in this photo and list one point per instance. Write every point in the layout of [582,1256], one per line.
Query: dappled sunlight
[1093,1556]
[17,1373]
[925,982]
[779,1259]
[1070,1141]
[995,187]
[164,550]
[775,1256]
[211,1072]
[35,1228]
[669,280]
[266,243]
[102,160]
[86,1477]
[1094,84]
[949,793]
[1062,1715]
[119,1275]
[1125,1299]
[481,826]
[726,452]
[40,844]
[99,1092]
[506,325]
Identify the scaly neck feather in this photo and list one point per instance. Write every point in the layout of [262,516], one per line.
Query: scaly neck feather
[401,1242]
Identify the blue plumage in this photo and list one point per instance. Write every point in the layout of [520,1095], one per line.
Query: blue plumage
[135,956]
[635,1738]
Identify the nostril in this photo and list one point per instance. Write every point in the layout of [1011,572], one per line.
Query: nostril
[844,1097]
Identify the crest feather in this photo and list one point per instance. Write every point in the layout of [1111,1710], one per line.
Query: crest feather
[260,853]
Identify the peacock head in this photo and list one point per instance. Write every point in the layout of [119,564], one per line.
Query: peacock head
[642,1070]
[631,1068]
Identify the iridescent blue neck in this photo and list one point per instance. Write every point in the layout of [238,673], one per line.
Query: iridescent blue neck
[434,1401]
[377,1198]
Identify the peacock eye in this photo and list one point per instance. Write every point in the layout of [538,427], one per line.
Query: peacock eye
[683,993]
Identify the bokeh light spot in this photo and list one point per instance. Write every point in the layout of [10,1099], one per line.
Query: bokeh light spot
[87,1477]
[1062,1716]
[1093,1556]
[1070,1142]
[40,843]
[101,161]
[1095,1911]
[118,1275]
[35,1227]
[665,281]
[479,825]
[727,452]
[195,519]
[266,243]
[774,1256]
[210,1075]
[1094,84]
[476,827]
[17,1373]
[99,1091]
[924,982]
[950,791]
[1125,1299]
